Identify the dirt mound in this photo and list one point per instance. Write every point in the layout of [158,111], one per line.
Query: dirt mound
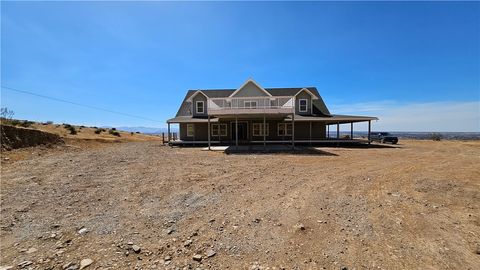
[15,137]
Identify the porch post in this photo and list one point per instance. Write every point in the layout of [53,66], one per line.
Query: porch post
[338,130]
[168,136]
[328,131]
[310,132]
[208,130]
[236,130]
[293,131]
[369,130]
[264,132]
[351,131]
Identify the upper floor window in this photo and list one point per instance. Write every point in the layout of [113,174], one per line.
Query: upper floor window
[303,105]
[200,108]
[250,104]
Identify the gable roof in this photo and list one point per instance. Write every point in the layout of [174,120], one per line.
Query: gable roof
[252,82]
[196,93]
[308,92]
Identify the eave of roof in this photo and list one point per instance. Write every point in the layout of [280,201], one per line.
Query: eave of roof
[190,119]
[332,119]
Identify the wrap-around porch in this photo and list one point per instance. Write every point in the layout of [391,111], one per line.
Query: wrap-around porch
[265,129]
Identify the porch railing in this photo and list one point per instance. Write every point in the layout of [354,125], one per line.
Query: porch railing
[250,105]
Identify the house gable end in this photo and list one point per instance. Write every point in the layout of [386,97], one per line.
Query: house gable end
[305,90]
[195,94]
[250,89]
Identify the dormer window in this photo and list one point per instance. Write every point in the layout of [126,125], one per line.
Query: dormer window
[200,107]
[303,105]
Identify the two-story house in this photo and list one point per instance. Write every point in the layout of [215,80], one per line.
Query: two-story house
[253,114]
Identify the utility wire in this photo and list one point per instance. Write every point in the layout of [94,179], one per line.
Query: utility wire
[77,104]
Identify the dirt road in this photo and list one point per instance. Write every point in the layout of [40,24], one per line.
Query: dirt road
[140,205]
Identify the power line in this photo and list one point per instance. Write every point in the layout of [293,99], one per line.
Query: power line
[77,104]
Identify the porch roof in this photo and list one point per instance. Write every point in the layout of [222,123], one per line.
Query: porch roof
[190,119]
[342,119]
[336,118]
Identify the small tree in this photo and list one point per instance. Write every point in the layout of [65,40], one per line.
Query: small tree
[436,136]
[6,113]
[73,131]
[114,132]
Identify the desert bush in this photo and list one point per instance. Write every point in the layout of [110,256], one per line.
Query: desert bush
[12,122]
[436,136]
[114,132]
[98,131]
[71,128]
[131,133]
[26,123]
[114,129]
[48,123]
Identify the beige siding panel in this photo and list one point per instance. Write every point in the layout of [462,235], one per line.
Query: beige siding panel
[250,90]
[199,97]
[307,96]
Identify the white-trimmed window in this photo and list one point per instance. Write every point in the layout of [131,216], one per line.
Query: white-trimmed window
[219,129]
[284,129]
[303,105]
[200,106]
[250,104]
[258,129]
[190,130]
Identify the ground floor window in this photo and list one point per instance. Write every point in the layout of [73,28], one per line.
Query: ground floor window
[219,129]
[259,129]
[190,130]
[284,129]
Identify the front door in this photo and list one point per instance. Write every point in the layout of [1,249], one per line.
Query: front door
[242,131]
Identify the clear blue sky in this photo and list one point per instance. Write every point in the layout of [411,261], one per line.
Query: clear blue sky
[373,58]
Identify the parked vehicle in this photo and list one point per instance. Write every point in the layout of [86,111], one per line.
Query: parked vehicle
[383,137]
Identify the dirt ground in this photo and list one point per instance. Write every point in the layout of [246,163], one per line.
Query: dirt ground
[141,205]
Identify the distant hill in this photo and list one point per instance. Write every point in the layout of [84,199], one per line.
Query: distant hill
[146,130]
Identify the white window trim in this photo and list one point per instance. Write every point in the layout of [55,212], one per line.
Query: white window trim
[250,102]
[258,127]
[219,130]
[284,128]
[300,105]
[192,129]
[203,106]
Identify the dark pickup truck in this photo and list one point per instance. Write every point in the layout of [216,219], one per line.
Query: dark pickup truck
[383,137]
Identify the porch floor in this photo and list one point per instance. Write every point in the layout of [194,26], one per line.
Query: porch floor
[286,143]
